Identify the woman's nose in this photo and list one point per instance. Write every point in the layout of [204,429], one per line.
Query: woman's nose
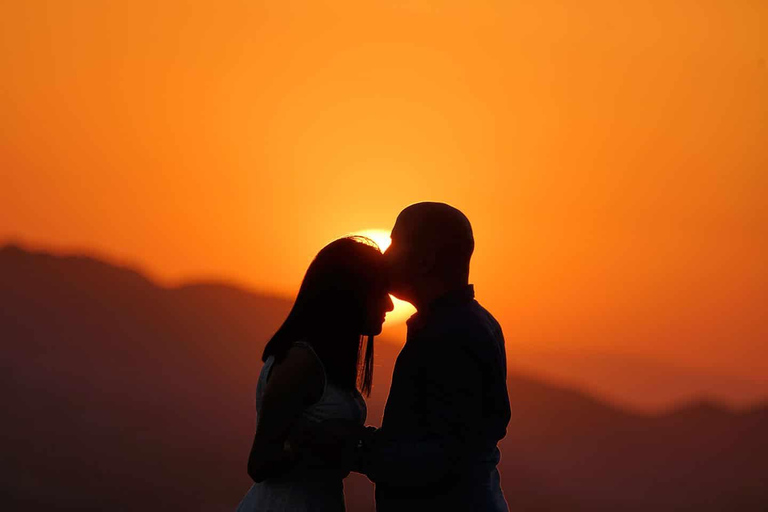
[390,304]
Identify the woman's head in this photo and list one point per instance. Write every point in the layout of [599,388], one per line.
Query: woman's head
[342,298]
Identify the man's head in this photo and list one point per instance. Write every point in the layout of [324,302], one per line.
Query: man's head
[432,244]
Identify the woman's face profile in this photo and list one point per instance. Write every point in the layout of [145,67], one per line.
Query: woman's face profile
[378,306]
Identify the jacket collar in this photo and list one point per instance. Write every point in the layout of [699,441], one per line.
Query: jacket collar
[458,296]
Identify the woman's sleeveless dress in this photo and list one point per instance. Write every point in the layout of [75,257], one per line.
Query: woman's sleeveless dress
[305,487]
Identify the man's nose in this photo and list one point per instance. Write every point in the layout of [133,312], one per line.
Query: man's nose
[390,304]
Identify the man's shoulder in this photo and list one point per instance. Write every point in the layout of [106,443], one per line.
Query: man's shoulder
[486,319]
[469,321]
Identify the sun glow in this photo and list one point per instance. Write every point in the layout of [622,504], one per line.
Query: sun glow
[380,236]
[403,309]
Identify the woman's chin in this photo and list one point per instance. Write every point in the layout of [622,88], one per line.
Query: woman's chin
[374,331]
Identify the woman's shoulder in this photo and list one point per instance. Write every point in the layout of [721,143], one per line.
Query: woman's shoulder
[303,345]
[302,368]
[301,356]
[303,351]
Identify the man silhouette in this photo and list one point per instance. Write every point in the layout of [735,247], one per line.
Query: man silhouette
[448,404]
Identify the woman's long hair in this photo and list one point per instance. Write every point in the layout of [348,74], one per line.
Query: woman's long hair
[330,310]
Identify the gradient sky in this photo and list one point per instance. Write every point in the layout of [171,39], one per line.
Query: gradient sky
[612,156]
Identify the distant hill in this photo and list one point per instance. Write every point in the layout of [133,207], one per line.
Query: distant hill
[643,383]
[122,395]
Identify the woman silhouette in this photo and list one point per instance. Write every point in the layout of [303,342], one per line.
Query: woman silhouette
[315,368]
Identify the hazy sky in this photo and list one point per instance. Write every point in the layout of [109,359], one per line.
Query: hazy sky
[612,156]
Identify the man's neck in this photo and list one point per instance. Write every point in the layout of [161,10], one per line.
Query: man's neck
[433,292]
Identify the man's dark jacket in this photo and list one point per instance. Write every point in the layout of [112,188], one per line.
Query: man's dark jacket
[447,409]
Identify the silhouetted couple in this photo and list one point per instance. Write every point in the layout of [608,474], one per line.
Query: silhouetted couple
[448,405]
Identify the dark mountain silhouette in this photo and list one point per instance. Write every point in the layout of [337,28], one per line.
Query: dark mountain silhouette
[123,395]
[646,384]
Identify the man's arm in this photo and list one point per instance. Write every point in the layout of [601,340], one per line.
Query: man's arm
[451,387]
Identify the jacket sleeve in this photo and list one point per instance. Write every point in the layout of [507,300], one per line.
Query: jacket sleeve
[450,382]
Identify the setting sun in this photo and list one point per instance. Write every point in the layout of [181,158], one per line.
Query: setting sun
[403,309]
[380,236]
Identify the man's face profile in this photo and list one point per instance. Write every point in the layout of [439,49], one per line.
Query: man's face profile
[397,257]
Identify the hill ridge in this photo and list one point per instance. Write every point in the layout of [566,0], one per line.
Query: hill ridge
[132,393]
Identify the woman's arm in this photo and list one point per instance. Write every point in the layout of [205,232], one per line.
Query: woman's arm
[295,383]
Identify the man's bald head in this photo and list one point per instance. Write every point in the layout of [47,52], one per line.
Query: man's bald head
[438,225]
[431,238]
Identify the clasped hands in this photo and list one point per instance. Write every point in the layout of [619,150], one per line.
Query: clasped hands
[332,442]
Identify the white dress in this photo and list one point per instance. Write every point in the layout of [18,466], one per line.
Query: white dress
[305,487]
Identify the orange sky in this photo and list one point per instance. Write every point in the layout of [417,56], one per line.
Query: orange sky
[611,155]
